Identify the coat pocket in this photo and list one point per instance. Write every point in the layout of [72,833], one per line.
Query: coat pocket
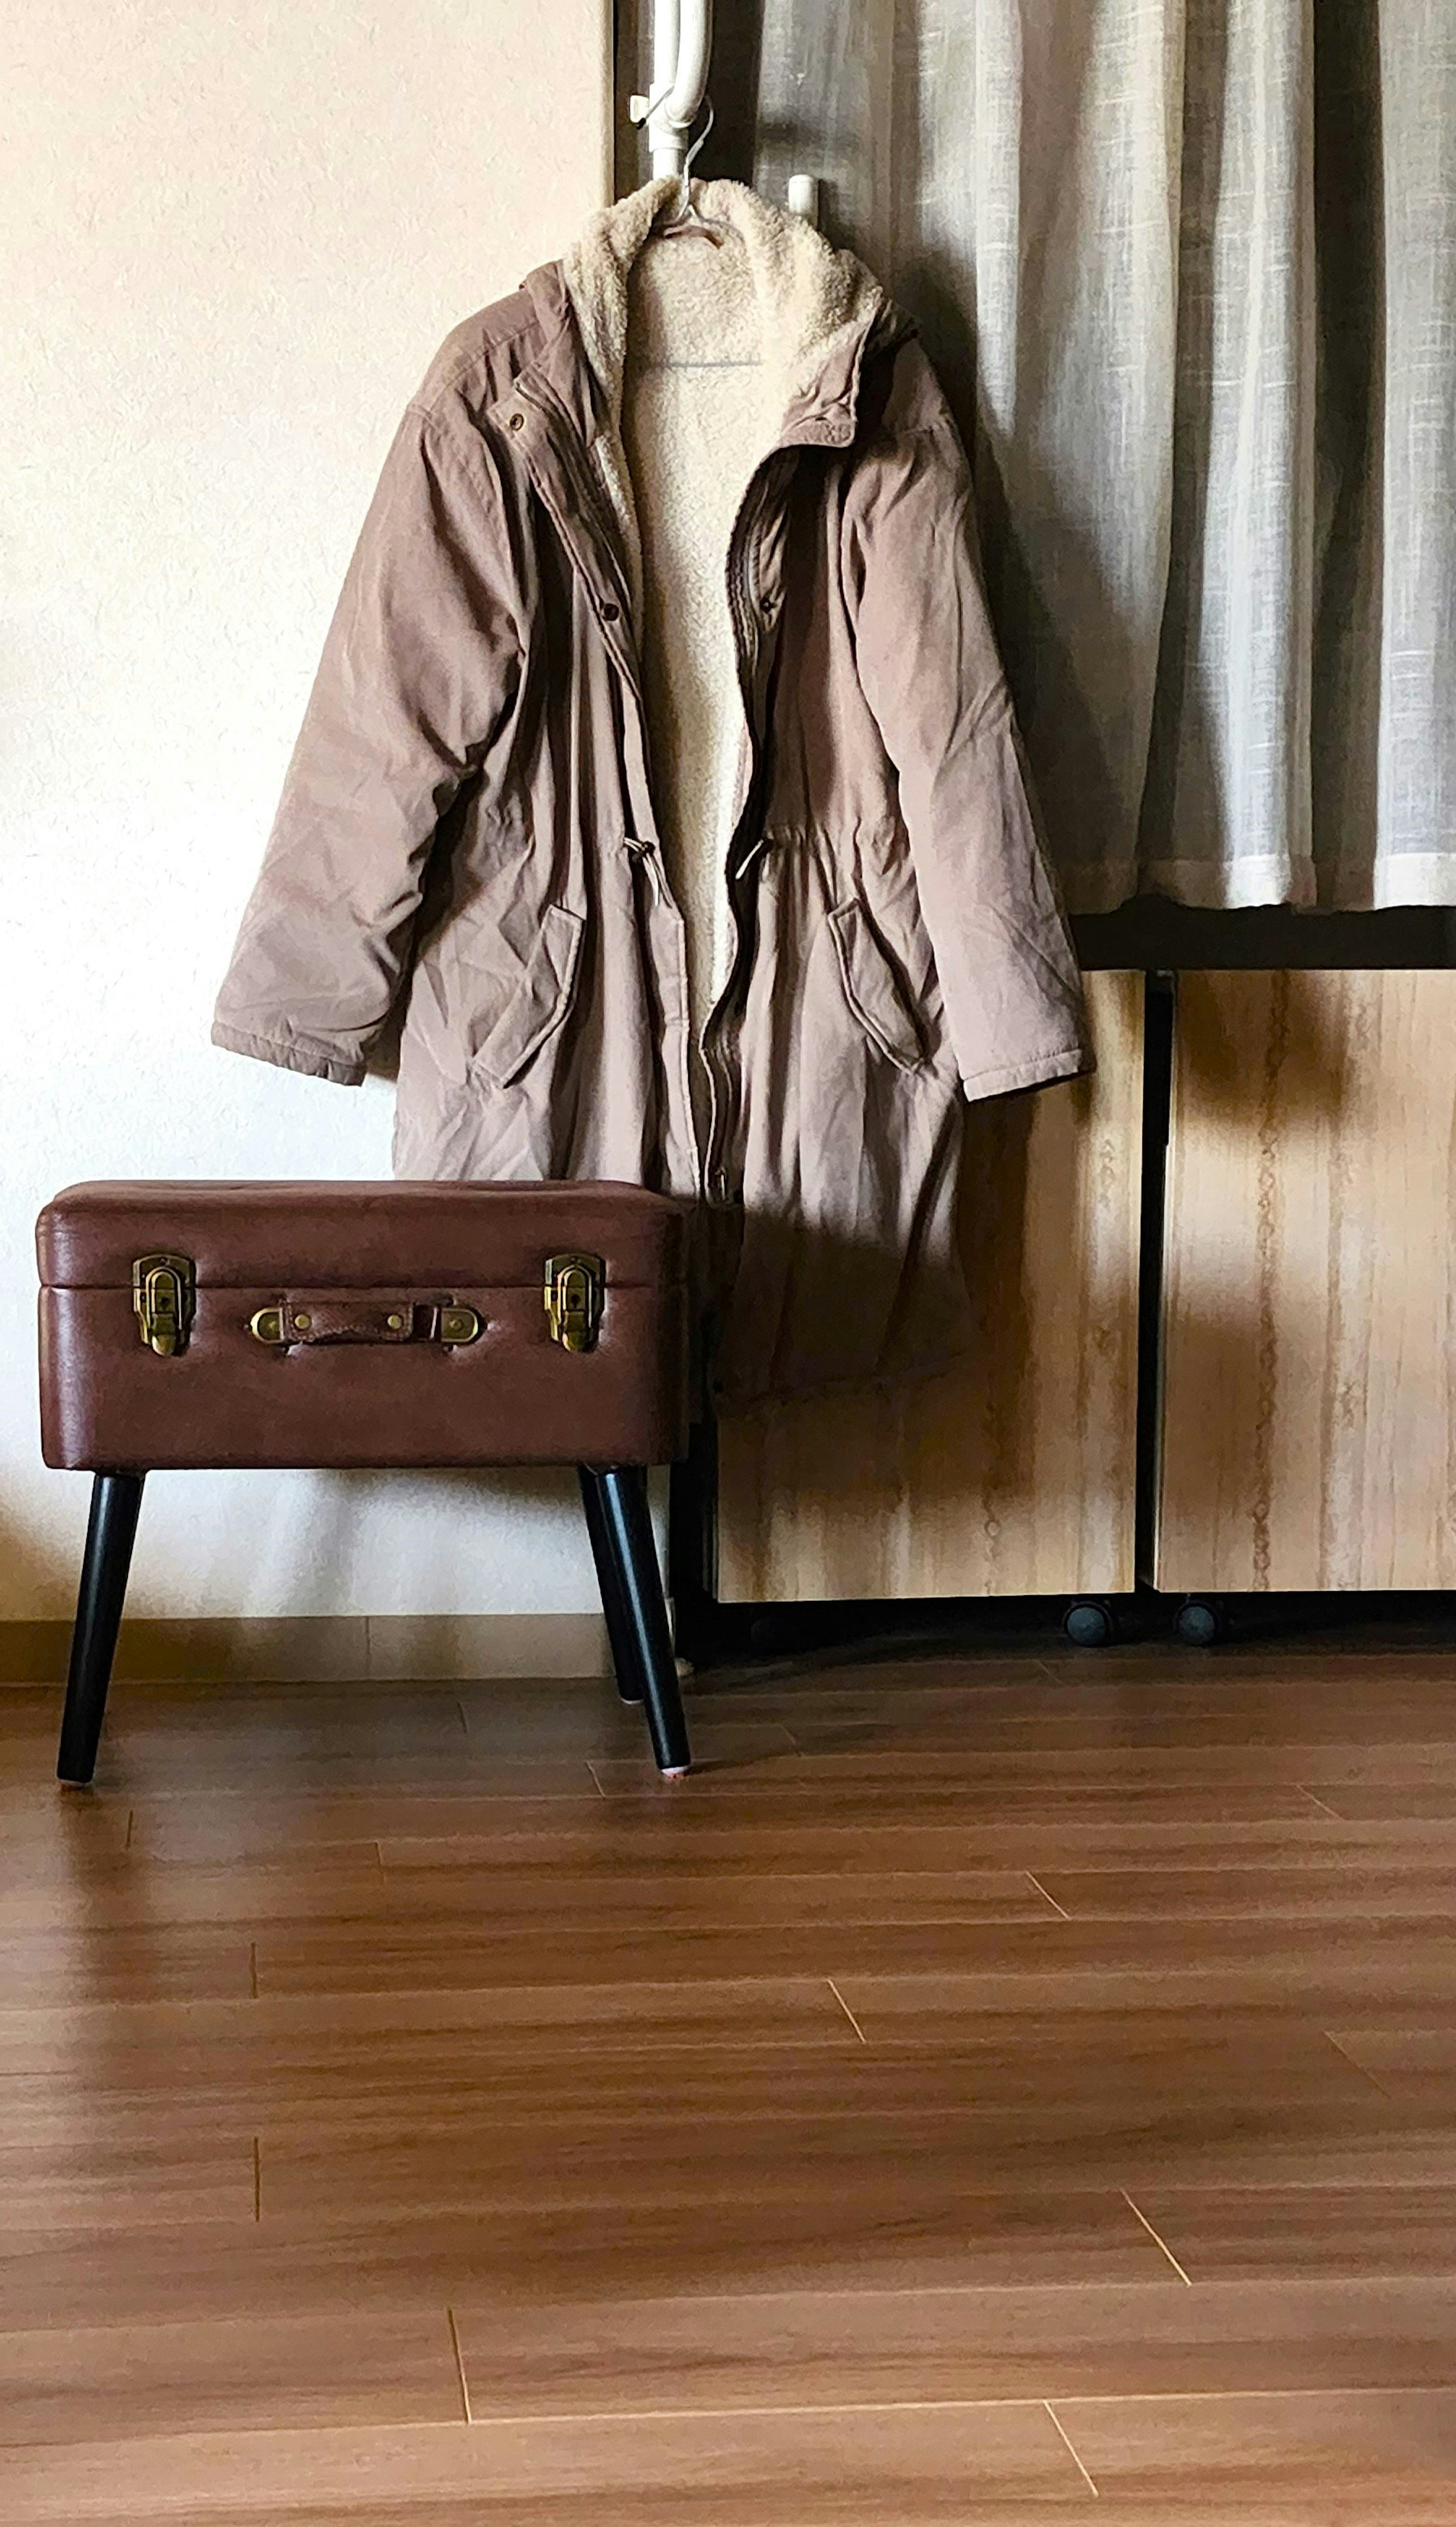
[871,989]
[539,1002]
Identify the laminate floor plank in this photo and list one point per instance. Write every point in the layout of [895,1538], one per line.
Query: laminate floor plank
[169,1827]
[178,1707]
[710,1901]
[1252,1892]
[1397,1764]
[1329,1966]
[915,1972]
[657,2055]
[620,1850]
[183,1722]
[270,1739]
[1385,2458]
[725,1987]
[900,2231]
[1432,1801]
[535,2040]
[323,2163]
[1344,1653]
[1414,2063]
[349,1883]
[1106,2105]
[1276,2233]
[454,1764]
[90,2176]
[942,2345]
[61,2384]
[1117,1721]
[179,1831]
[919,2467]
[157,1961]
[124,1891]
[781,1797]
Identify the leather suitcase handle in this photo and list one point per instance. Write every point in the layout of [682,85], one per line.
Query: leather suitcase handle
[386,1316]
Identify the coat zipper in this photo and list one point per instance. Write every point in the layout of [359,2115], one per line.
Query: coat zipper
[722,1068]
[747,534]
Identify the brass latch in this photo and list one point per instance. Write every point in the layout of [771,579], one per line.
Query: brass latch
[573,1285]
[457,1325]
[164,1294]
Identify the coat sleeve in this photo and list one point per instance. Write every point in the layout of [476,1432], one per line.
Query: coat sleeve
[420,664]
[928,665]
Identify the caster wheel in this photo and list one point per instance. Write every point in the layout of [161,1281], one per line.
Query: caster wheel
[1090,1622]
[1200,1624]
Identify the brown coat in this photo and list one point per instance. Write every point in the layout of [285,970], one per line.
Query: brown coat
[468,836]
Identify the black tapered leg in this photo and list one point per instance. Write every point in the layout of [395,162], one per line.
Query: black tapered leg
[624,1657]
[626,1529]
[115,1501]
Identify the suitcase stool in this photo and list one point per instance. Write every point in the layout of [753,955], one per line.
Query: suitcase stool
[367,1326]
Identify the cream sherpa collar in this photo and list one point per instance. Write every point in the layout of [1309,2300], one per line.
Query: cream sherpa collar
[814,298]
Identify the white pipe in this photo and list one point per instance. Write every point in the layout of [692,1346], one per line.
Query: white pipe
[682,47]
[661,84]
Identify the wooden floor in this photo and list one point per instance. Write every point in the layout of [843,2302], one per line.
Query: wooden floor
[1012,2089]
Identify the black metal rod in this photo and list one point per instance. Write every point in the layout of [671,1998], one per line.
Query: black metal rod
[1159,1024]
[622,1492]
[619,1632]
[111,1532]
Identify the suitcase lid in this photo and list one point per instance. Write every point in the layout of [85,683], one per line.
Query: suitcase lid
[340,1235]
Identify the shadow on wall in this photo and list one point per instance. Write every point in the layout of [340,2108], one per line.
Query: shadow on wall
[1297,1075]
[1018,1460]
[851,1427]
[1038,1417]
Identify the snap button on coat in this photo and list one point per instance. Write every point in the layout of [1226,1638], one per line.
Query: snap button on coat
[464,847]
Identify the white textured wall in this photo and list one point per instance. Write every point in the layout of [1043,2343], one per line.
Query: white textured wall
[231,237]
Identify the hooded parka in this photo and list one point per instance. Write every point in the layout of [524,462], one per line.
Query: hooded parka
[469,845]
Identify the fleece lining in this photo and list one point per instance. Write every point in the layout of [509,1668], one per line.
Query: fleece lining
[699,412]
[699,350]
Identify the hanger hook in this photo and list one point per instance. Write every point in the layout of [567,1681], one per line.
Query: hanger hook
[689,154]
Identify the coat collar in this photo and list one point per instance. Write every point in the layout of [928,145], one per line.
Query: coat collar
[820,310]
[817,303]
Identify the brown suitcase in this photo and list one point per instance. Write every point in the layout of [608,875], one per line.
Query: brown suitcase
[361,1369]
[378,1325]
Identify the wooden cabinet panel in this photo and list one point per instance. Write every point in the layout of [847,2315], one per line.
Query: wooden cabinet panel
[1013,1474]
[1307,1417]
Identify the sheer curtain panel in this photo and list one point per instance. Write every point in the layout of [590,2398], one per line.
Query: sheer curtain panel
[1189,270]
